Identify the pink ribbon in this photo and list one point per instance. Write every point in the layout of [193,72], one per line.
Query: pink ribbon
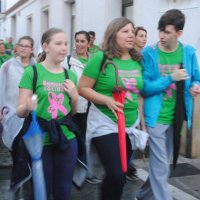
[56,104]
[169,90]
[130,85]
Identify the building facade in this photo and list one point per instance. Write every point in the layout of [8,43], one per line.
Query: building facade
[33,17]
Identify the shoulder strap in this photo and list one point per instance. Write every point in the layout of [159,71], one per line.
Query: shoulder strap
[68,59]
[103,61]
[66,74]
[34,78]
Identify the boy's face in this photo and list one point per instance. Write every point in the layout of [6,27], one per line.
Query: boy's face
[169,36]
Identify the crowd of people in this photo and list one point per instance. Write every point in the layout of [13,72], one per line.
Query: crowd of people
[76,108]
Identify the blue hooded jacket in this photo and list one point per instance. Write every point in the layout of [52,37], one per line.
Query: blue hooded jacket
[155,84]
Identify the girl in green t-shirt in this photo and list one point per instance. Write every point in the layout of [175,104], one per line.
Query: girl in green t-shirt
[57,98]
[97,87]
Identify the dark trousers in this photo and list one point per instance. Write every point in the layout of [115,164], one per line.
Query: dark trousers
[108,149]
[58,170]
[81,120]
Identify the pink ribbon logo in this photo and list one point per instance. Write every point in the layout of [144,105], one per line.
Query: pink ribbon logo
[130,85]
[56,104]
[169,90]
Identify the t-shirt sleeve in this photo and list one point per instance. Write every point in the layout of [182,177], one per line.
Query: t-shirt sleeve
[26,81]
[92,69]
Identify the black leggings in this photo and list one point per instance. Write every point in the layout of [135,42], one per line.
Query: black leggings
[108,149]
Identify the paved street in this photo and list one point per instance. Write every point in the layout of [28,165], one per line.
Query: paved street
[184,181]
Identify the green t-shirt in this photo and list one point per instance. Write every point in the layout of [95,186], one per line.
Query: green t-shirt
[83,60]
[167,63]
[9,48]
[53,102]
[94,49]
[130,78]
[4,58]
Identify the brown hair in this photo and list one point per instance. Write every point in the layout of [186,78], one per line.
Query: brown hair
[110,46]
[30,39]
[46,38]
[133,52]
[139,28]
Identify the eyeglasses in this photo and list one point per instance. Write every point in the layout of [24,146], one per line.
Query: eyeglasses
[24,46]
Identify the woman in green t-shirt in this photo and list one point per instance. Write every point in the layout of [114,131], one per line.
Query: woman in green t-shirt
[57,99]
[97,87]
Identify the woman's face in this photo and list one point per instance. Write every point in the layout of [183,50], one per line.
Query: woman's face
[24,48]
[126,37]
[141,39]
[56,49]
[81,44]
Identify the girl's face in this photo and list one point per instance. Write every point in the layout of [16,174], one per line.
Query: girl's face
[56,49]
[141,39]
[24,48]
[126,37]
[81,44]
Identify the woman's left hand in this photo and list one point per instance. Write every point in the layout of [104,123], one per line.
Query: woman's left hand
[70,88]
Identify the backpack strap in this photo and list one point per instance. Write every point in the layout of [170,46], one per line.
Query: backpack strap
[66,74]
[68,59]
[103,61]
[34,78]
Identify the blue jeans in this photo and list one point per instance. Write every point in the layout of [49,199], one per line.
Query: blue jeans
[160,152]
[58,170]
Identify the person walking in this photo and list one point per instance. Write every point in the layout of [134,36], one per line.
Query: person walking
[10,75]
[97,86]
[57,101]
[140,42]
[93,48]
[166,64]
[77,61]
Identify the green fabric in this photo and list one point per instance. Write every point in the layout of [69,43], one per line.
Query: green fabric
[83,60]
[9,46]
[168,62]
[4,58]
[94,49]
[130,78]
[49,90]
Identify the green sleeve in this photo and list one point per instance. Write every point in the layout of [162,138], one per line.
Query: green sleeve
[92,69]
[26,81]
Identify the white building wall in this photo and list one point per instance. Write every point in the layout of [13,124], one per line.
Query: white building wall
[96,14]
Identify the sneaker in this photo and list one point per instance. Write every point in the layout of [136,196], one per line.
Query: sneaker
[132,174]
[93,180]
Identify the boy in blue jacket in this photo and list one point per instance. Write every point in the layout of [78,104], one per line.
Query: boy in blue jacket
[171,80]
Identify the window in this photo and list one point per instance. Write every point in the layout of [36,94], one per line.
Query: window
[127,8]
[29,26]
[13,27]
[45,20]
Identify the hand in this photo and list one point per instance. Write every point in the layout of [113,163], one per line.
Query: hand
[180,74]
[195,90]
[113,105]
[144,128]
[70,88]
